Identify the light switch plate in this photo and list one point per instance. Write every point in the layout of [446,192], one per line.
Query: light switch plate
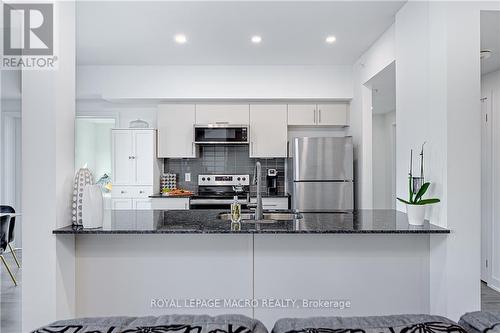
[187,177]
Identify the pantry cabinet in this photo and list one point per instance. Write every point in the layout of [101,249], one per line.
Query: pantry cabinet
[134,161]
[268,130]
[222,114]
[328,114]
[135,168]
[176,131]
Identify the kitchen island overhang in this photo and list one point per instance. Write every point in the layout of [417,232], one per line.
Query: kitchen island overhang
[210,222]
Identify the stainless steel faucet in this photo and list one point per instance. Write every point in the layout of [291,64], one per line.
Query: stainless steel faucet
[257,178]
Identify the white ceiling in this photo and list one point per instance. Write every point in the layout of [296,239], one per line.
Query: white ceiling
[490,39]
[384,90]
[293,33]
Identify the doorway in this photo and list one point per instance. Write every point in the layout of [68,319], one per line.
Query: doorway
[383,87]
[490,160]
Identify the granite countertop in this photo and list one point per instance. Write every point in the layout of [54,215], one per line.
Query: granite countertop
[206,222]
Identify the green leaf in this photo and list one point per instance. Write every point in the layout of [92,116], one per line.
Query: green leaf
[410,181]
[421,192]
[428,201]
[404,201]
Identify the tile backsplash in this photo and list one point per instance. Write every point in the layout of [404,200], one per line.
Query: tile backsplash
[223,160]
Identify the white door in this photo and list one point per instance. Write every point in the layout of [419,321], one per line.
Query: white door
[176,131]
[302,114]
[222,114]
[486,189]
[144,156]
[123,163]
[268,130]
[121,204]
[332,114]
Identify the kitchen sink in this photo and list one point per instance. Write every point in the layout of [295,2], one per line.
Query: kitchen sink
[269,217]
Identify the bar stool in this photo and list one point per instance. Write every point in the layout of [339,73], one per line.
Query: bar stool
[4,241]
[10,238]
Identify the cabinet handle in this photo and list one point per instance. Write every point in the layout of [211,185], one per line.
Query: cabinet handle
[123,192]
[141,192]
[319,116]
[314,112]
[222,122]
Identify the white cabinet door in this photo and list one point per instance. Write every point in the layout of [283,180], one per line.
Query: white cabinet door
[272,203]
[144,156]
[332,114]
[123,164]
[176,131]
[222,114]
[121,204]
[268,130]
[170,203]
[142,204]
[302,114]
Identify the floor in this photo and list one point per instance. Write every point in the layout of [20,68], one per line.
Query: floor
[490,299]
[10,296]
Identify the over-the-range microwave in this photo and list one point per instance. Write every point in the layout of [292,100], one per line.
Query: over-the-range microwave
[221,133]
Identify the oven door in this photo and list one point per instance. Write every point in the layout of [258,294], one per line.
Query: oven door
[220,134]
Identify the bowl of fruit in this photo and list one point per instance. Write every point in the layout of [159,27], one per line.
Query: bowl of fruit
[176,192]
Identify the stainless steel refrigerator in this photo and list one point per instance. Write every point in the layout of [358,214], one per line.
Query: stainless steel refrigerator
[320,174]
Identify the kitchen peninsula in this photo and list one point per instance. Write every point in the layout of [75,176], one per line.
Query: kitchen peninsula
[366,257]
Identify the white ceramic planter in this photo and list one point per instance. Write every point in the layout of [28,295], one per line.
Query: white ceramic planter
[416,214]
[92,207]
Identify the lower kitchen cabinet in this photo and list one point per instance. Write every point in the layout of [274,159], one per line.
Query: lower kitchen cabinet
[272,203]
[170,203]
[127,204]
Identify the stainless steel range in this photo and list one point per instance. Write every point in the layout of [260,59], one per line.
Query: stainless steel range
[217,191]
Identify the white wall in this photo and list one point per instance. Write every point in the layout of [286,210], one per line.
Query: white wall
[438,93]
[490,88]
[324,267]
[48,168]
[216,82]
[375,59]
[383,160]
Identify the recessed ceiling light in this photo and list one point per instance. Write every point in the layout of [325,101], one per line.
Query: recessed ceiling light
[256,39]
[180,39]
[330,39]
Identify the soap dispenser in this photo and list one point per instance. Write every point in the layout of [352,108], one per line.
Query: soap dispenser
[235,214]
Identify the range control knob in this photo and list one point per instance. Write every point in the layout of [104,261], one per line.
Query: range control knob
[244,178]
[203,178]
[208,178]
[238,179]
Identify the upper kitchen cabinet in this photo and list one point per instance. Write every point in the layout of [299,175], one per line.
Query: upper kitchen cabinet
[302,114]
[331,114]
[176,131]
[222,114]
[134,160]
[268,130]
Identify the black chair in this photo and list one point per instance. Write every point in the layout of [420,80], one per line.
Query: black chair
[4,241]
[10,210]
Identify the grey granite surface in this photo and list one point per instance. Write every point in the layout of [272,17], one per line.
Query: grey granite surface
[206,221]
